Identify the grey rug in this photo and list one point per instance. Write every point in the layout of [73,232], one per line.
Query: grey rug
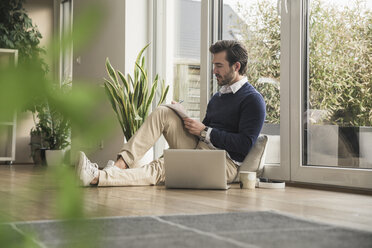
[248,229]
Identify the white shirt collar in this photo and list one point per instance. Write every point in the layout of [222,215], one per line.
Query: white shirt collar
[234,87]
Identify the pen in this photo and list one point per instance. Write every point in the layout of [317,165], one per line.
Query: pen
[181,101]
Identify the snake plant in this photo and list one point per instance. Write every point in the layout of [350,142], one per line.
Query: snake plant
[131,97]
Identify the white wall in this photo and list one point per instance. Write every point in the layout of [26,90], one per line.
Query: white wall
[136,30]
[123,33]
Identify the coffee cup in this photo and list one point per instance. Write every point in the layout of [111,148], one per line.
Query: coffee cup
[247,179]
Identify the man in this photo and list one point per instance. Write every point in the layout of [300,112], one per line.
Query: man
[233,121]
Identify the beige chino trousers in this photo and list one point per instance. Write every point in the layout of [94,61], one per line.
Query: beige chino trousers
[161,121]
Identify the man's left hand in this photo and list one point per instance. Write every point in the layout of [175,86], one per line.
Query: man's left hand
[193,126]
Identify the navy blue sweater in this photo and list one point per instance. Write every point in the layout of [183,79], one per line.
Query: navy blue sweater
[236,120]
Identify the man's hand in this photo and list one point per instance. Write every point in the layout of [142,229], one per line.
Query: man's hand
[193,126]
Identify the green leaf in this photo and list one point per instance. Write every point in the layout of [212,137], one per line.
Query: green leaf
[114,105]
[165,92]
[140,53]
[151,97]
[111,71]
[124,81]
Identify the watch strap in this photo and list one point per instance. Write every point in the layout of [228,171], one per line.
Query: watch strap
[203,133]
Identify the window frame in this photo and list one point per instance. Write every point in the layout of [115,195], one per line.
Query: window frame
[336,176]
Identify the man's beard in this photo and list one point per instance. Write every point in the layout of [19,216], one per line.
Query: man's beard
[225,80]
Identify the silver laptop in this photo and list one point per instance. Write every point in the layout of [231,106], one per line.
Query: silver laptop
[195,169]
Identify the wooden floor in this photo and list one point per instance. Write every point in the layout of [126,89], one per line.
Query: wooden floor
[28,193]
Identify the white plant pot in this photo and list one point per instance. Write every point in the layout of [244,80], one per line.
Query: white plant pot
[54,157]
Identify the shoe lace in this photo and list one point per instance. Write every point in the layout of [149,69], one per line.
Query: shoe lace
[95,165]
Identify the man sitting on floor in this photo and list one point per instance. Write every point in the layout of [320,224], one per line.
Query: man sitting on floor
[233,121]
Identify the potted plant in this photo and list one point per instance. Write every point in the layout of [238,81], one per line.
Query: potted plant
[132,97]
[58,138]
[51,134]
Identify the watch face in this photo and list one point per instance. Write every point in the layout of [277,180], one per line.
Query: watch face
[203,134]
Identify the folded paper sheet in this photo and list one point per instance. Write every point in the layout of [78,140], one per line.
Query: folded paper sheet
[178,108]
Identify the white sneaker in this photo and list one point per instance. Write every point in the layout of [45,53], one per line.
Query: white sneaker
[86,170]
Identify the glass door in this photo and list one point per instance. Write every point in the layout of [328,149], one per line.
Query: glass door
[66,60]
[332,103]
[176,38]
[186,58]
[263,26]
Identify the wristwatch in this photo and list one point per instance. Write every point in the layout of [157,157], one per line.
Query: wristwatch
[203,133]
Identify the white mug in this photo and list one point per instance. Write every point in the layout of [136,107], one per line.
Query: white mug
[247,179]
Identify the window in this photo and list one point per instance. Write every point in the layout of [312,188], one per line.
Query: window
[186,60]
[338,123]
[329,127]
[66,48]
[310,59]
[257,24]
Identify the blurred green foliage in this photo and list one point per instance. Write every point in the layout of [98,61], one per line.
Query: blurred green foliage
[22,87]
[340,54]
[18,32]
[12,239]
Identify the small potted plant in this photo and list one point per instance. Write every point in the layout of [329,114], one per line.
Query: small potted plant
[51,134]
[58,137]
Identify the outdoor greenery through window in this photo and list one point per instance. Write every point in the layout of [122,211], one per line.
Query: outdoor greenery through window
[339,83]
[338,92]
[257,25]
[340,54]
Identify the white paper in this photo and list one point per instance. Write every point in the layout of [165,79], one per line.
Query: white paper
[178,108]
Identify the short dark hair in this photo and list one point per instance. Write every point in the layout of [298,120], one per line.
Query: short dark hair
[235,52]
